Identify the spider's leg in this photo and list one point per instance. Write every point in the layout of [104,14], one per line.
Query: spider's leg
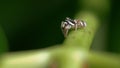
[76,25]
[66,32]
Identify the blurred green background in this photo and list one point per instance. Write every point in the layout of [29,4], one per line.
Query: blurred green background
[35,24]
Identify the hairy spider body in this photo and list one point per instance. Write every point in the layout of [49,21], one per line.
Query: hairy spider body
[71,24]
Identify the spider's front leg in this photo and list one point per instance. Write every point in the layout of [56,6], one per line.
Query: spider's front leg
[65,32]
[65,28]
[76,25]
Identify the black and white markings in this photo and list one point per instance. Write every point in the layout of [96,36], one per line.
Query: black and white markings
[71,24]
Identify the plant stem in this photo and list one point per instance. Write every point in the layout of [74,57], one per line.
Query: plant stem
[103,60]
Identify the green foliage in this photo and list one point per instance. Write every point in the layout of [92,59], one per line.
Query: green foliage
[73,52]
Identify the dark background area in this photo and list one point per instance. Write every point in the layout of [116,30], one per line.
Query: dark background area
[35,24]
[114,28]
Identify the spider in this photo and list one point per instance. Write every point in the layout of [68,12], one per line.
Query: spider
[71,24]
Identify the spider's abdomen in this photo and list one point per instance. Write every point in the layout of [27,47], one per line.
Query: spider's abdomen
[81,24]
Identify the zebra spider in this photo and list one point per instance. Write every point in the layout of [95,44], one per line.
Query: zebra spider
[71,24]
